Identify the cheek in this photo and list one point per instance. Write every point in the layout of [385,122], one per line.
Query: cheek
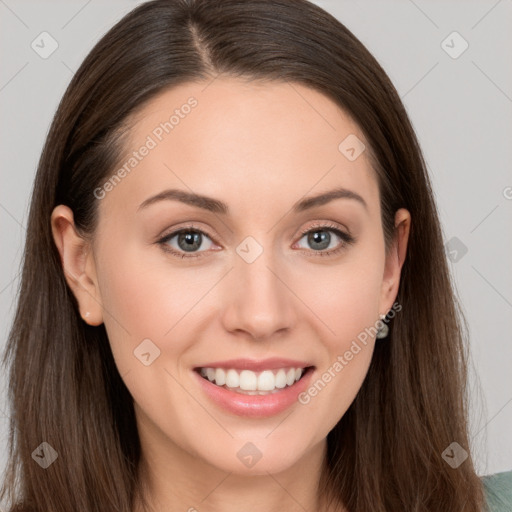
[349,313]
[344,297]
[145,297]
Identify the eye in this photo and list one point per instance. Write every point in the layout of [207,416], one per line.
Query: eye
[185,242]
[323,243]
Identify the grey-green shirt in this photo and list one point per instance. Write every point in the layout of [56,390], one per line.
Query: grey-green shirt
[498,489]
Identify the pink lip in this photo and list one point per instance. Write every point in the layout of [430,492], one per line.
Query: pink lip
[254,406]
[257,365]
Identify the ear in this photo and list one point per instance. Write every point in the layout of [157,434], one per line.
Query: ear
[395,260]
[78,264]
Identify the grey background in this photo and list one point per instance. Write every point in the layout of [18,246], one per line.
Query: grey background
[461,109]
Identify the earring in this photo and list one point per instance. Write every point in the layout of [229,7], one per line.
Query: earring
[384,330]
[87,314]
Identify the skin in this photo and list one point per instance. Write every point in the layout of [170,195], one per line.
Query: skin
[259,148]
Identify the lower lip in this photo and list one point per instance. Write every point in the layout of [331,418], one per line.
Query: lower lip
[255,406]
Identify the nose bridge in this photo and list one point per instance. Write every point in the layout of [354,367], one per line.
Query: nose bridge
[259,301]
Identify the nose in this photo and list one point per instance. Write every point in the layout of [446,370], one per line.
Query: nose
[259,300]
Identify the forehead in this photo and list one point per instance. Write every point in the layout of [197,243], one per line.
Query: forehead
[235,139]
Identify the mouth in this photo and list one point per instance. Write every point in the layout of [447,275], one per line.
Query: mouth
[247,382]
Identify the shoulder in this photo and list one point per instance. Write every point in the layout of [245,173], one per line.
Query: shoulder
[498,490]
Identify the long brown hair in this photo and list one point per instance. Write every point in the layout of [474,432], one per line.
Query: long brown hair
[385,453]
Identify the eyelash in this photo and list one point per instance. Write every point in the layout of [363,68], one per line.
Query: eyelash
[345,237]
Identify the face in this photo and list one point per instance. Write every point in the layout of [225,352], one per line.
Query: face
[256,282]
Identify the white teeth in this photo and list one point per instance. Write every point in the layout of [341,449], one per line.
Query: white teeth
[250,382]
[281,379]
[220,377]
[232,379]
[266,381]
[247,381]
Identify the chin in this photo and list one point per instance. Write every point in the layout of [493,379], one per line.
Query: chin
[258,457]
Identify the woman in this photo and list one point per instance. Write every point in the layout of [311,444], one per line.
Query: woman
[181,341]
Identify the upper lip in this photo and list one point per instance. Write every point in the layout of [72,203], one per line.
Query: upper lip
[256,365]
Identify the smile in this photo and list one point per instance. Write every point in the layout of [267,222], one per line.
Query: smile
[269,391]
[253,383]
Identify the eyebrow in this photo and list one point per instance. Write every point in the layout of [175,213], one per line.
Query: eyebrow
[217,206]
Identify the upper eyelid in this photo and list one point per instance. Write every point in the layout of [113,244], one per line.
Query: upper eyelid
[327,225]
[177,231]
